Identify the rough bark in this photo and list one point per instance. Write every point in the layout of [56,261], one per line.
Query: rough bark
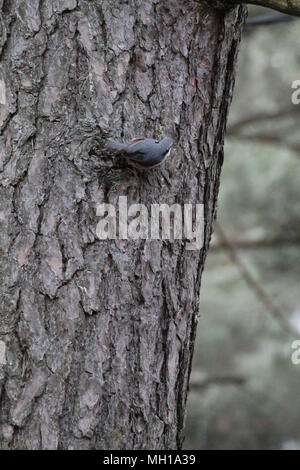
[96,337]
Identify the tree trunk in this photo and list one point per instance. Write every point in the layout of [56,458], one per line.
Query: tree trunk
[97,337]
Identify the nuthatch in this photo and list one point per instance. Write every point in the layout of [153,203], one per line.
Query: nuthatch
[142,153]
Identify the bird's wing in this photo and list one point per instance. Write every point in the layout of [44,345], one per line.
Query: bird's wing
[136,156]
[139,148]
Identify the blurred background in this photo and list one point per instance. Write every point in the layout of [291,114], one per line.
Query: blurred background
[245,391]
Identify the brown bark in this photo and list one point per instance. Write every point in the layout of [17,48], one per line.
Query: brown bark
[96,337]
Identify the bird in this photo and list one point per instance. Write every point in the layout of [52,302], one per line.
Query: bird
[142,153]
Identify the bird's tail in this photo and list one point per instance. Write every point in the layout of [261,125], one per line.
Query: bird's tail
[114,146]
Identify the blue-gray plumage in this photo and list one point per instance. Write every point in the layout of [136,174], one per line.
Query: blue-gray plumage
[142,153]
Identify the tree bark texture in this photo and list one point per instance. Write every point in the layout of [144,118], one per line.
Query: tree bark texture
[96,337]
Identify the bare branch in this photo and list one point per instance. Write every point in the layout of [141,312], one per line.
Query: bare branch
[260,117]
[199,380]
[264,20]
[270,139]
[256,288]
[291,7]
[271,242]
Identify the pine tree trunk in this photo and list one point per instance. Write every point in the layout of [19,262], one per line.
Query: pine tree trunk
[97,337]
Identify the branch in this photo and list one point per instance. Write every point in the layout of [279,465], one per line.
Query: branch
[256,288]
[260,117]
[270,139]
[199,381]
[291,7]
[271,242]
[264,20]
